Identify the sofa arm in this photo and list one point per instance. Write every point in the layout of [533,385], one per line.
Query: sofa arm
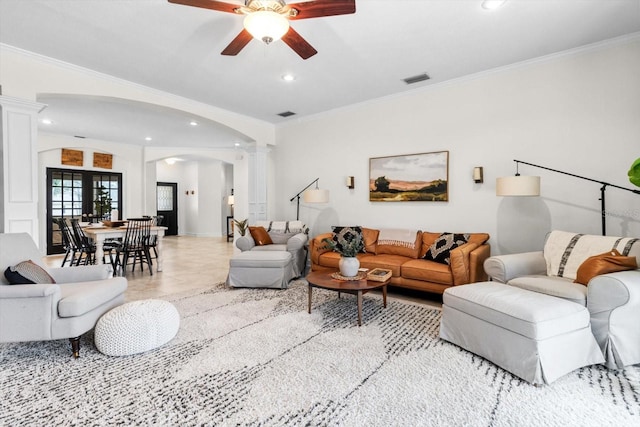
[613,301]
[317,247]
[85,273]
[28,291]
[296,242]
[460,263]
[503,268]
[245,243]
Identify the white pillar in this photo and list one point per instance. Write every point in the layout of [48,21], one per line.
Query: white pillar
[19,178]
[258,184]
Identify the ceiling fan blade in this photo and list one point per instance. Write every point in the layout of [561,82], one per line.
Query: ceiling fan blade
[298,44]
[238,43]
[318,8]
[209,4]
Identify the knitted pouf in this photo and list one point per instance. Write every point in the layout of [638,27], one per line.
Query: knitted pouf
[136,327]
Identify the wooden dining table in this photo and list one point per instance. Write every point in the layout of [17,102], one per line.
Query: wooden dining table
[100,234]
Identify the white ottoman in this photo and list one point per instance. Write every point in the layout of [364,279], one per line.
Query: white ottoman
[136,327]
[536,337]
[260,269]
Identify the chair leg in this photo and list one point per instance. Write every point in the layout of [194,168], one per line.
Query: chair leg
[75,346]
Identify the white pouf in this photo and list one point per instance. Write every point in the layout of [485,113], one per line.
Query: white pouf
[136,327]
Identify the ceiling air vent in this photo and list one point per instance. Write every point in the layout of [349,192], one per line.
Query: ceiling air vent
[287,114]
[416,79]
[79,136]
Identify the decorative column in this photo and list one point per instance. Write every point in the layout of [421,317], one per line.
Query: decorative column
[19,178]
[258,184]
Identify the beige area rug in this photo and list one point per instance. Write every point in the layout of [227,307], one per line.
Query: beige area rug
[254,357]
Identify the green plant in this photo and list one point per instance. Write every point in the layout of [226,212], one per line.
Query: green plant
[102,202]
[347,243]
[241,226]
[634,173]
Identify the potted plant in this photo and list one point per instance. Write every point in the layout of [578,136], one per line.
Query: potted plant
[242,226]
[348,243]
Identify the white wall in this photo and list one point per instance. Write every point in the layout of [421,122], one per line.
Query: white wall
[578,112]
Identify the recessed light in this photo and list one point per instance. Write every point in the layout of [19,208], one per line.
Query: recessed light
[288,77]
[148,138]
[237,144]
[193,123]
[47,121]
[492,4]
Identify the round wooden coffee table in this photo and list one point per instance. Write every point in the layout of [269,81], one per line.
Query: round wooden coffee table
[323,280]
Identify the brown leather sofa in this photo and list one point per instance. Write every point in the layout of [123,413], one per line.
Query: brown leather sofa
[408,268]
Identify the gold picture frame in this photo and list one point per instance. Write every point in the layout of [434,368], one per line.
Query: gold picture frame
[422,177]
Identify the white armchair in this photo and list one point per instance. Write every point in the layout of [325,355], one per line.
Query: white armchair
[286,236]
[66,309]
[613,299]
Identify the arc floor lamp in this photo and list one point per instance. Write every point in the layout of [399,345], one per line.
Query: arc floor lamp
[520,185]
[315,195]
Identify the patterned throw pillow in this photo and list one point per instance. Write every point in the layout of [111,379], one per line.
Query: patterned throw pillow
[27,272]
[260,236]
[440,250]
[346,234]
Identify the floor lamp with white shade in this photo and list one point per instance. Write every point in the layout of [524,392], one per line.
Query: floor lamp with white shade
[314,195]
[520,185]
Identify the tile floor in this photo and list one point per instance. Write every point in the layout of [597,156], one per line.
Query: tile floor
[197,262]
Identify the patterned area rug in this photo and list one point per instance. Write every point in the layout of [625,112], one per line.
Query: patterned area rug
[254,357]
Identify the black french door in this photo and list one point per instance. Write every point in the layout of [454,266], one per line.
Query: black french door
[85,195]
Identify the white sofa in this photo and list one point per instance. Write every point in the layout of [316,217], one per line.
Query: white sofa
[613,300]
[65,309]
[287,236]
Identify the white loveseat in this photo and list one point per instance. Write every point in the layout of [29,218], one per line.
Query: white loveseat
[613,300]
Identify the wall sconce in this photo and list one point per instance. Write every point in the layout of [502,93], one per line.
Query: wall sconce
[478,175]
[351,182]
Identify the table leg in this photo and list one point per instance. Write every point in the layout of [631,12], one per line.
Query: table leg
[310,288]
[384,296]
[359,308]
[160,256]
[99,249]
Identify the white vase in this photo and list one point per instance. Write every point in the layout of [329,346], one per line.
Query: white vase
[349,266]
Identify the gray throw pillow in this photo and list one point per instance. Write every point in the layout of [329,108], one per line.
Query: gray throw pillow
[27,272]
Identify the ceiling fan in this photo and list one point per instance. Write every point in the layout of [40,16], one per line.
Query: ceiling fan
[268,20]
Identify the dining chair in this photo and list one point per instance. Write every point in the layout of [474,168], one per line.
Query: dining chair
[135,244]
[84,245]
[68,242]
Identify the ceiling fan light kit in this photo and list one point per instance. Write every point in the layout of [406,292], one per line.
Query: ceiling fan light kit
[268,20]
[266,25]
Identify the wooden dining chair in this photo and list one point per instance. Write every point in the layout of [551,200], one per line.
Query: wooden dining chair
[68,242]
[84,245]
[135,245]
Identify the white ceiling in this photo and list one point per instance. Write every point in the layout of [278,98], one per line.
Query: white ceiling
[361,57]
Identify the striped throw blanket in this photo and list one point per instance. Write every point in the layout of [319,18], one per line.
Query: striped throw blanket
[564,252]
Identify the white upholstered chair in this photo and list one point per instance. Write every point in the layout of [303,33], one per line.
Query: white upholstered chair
[66,309]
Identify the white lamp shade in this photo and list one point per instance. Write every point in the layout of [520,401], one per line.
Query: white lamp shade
[266,25]
[231,200]
[316,195]
[518,186]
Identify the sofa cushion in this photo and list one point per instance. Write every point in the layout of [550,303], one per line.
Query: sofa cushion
[27,272]
[260,236]
[439,251]
[608,262]
[370,238]
[82,297]
[554,286]
[564,252]
[429,271]
[407,243]
[389,262]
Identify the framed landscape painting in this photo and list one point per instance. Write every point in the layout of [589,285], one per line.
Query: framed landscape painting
[410,178]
